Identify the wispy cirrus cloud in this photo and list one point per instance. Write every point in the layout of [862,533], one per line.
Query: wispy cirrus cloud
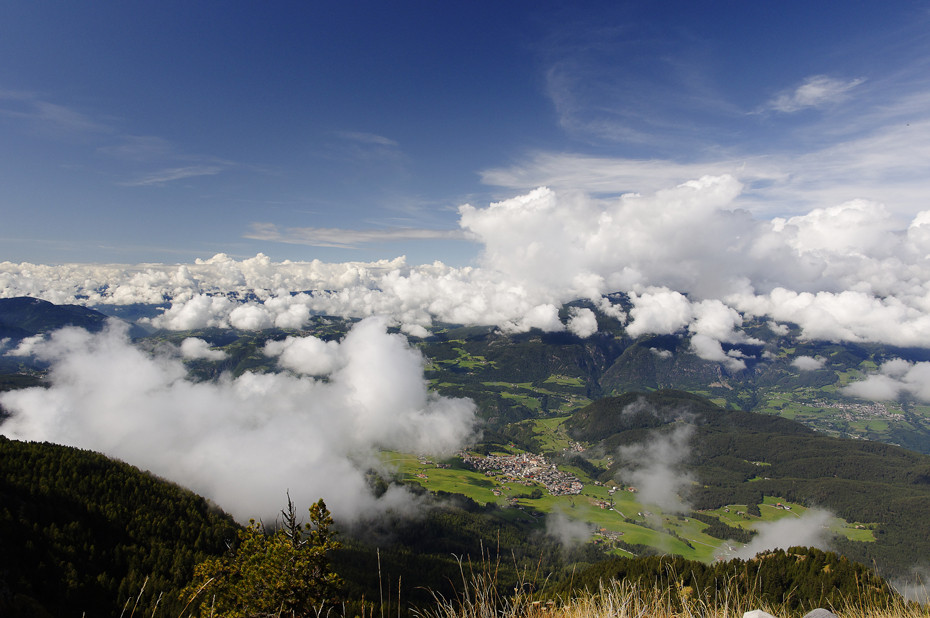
[134,152]
[46,116]
[883,154]
[364,146]
[815,91]
[344,238]
[59,121]
[367,138]
[605,175]
[138,148]
[165,176]
[611,81]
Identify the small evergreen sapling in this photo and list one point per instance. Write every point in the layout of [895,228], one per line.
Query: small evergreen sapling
[286,573]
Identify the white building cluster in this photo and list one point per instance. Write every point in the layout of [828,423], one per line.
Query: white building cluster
[527,468]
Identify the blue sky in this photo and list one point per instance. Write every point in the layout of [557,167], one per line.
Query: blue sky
[165,132]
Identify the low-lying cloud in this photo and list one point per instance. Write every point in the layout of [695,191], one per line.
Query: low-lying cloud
[691,260]
[244,442]
[567,531]
[656,468]
[195,348]
[808,363]
[808,530]
[895,378]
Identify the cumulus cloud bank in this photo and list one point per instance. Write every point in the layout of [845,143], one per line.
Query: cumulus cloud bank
[690,259]
[244,442]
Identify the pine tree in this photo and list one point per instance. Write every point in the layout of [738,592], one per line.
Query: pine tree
[286,573]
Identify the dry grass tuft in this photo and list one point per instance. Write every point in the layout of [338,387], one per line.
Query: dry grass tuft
[630,600]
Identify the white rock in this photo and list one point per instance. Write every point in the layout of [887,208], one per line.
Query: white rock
[820,613]
[757,613]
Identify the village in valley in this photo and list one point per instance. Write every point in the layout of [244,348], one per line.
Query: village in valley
[528,469]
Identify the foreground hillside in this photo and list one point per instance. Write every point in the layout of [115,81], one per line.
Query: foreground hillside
[79,531]
[83,533]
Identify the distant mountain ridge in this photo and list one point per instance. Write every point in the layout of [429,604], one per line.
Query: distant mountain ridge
[25,316]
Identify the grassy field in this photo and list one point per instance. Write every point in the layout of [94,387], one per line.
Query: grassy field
[735,515]
[551,434]
[564,381]
[562,389]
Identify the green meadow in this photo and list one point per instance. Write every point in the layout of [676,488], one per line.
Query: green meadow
[609,510]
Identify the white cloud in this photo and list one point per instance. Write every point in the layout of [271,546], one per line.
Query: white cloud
[195,348]
[857,228]
[808,530]
[544,317]
[582,322]
[47,116]
[165,176]
[710,349]
[307,355]
[815,91]
[881,154]
[367,138]
[27,346]
[611,310]
[662,312]
[874,388]
[808,363]
[656,468]
[846,316]
[343,238]
[414,330]
[895,376]
[244,442]
[138,148]
[778,329]
[250,317]
[692,262]
[569,532]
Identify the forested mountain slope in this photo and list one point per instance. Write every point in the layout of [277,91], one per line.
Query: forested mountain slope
[81,533]
[739,457]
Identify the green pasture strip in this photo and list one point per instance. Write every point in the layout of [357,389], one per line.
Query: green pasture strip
[552,437]
[770,513]
[530,402]
[564,380]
